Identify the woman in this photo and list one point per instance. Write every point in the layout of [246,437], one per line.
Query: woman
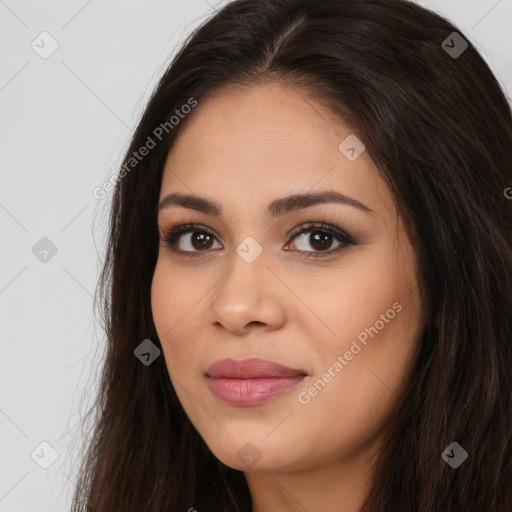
[309,278]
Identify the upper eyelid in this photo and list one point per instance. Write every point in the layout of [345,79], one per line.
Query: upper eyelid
[301,228]
[186,227]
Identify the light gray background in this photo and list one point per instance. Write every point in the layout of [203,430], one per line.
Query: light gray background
[65,122]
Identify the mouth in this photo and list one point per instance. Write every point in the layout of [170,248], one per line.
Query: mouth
[251,381]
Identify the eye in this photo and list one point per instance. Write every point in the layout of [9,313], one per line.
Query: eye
[196,239]
[321,237]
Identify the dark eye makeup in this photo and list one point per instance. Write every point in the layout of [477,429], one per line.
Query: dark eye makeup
[320,233]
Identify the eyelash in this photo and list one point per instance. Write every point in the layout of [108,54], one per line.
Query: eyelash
[172,231]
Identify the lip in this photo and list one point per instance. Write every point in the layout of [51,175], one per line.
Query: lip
[251,368]
[251,381]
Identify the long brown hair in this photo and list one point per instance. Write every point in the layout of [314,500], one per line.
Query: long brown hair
[437,124]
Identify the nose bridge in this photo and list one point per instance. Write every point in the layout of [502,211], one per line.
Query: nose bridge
[248,266]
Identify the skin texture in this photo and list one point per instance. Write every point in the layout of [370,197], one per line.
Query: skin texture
[243,148]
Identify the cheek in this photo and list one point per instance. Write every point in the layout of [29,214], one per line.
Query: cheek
[349,401]
[172,304]
[172,297]
[365,288]
[373,313]
[163,302]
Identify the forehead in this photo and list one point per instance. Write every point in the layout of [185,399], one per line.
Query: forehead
[267,141]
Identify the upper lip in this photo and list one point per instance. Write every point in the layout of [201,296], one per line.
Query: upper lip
[251,368]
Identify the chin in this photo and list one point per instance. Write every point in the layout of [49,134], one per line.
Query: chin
[255,453]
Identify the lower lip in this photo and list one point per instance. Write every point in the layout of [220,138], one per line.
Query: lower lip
[251,391]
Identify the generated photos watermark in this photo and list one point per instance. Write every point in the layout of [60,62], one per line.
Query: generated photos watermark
[151,142]
[305,397]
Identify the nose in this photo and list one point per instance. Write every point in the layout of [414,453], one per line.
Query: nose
[248,296]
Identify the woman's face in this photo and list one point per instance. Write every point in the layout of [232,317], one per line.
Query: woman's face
[345,317]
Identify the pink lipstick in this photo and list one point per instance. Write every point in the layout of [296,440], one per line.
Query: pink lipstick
[251,381]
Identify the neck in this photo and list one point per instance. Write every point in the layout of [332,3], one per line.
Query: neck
[338,486]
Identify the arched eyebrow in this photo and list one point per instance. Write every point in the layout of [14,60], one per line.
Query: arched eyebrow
[276,208]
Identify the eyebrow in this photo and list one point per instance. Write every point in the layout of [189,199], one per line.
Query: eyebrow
[276,208]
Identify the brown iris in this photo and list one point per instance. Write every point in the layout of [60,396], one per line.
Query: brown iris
[201,240]
[318,240]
